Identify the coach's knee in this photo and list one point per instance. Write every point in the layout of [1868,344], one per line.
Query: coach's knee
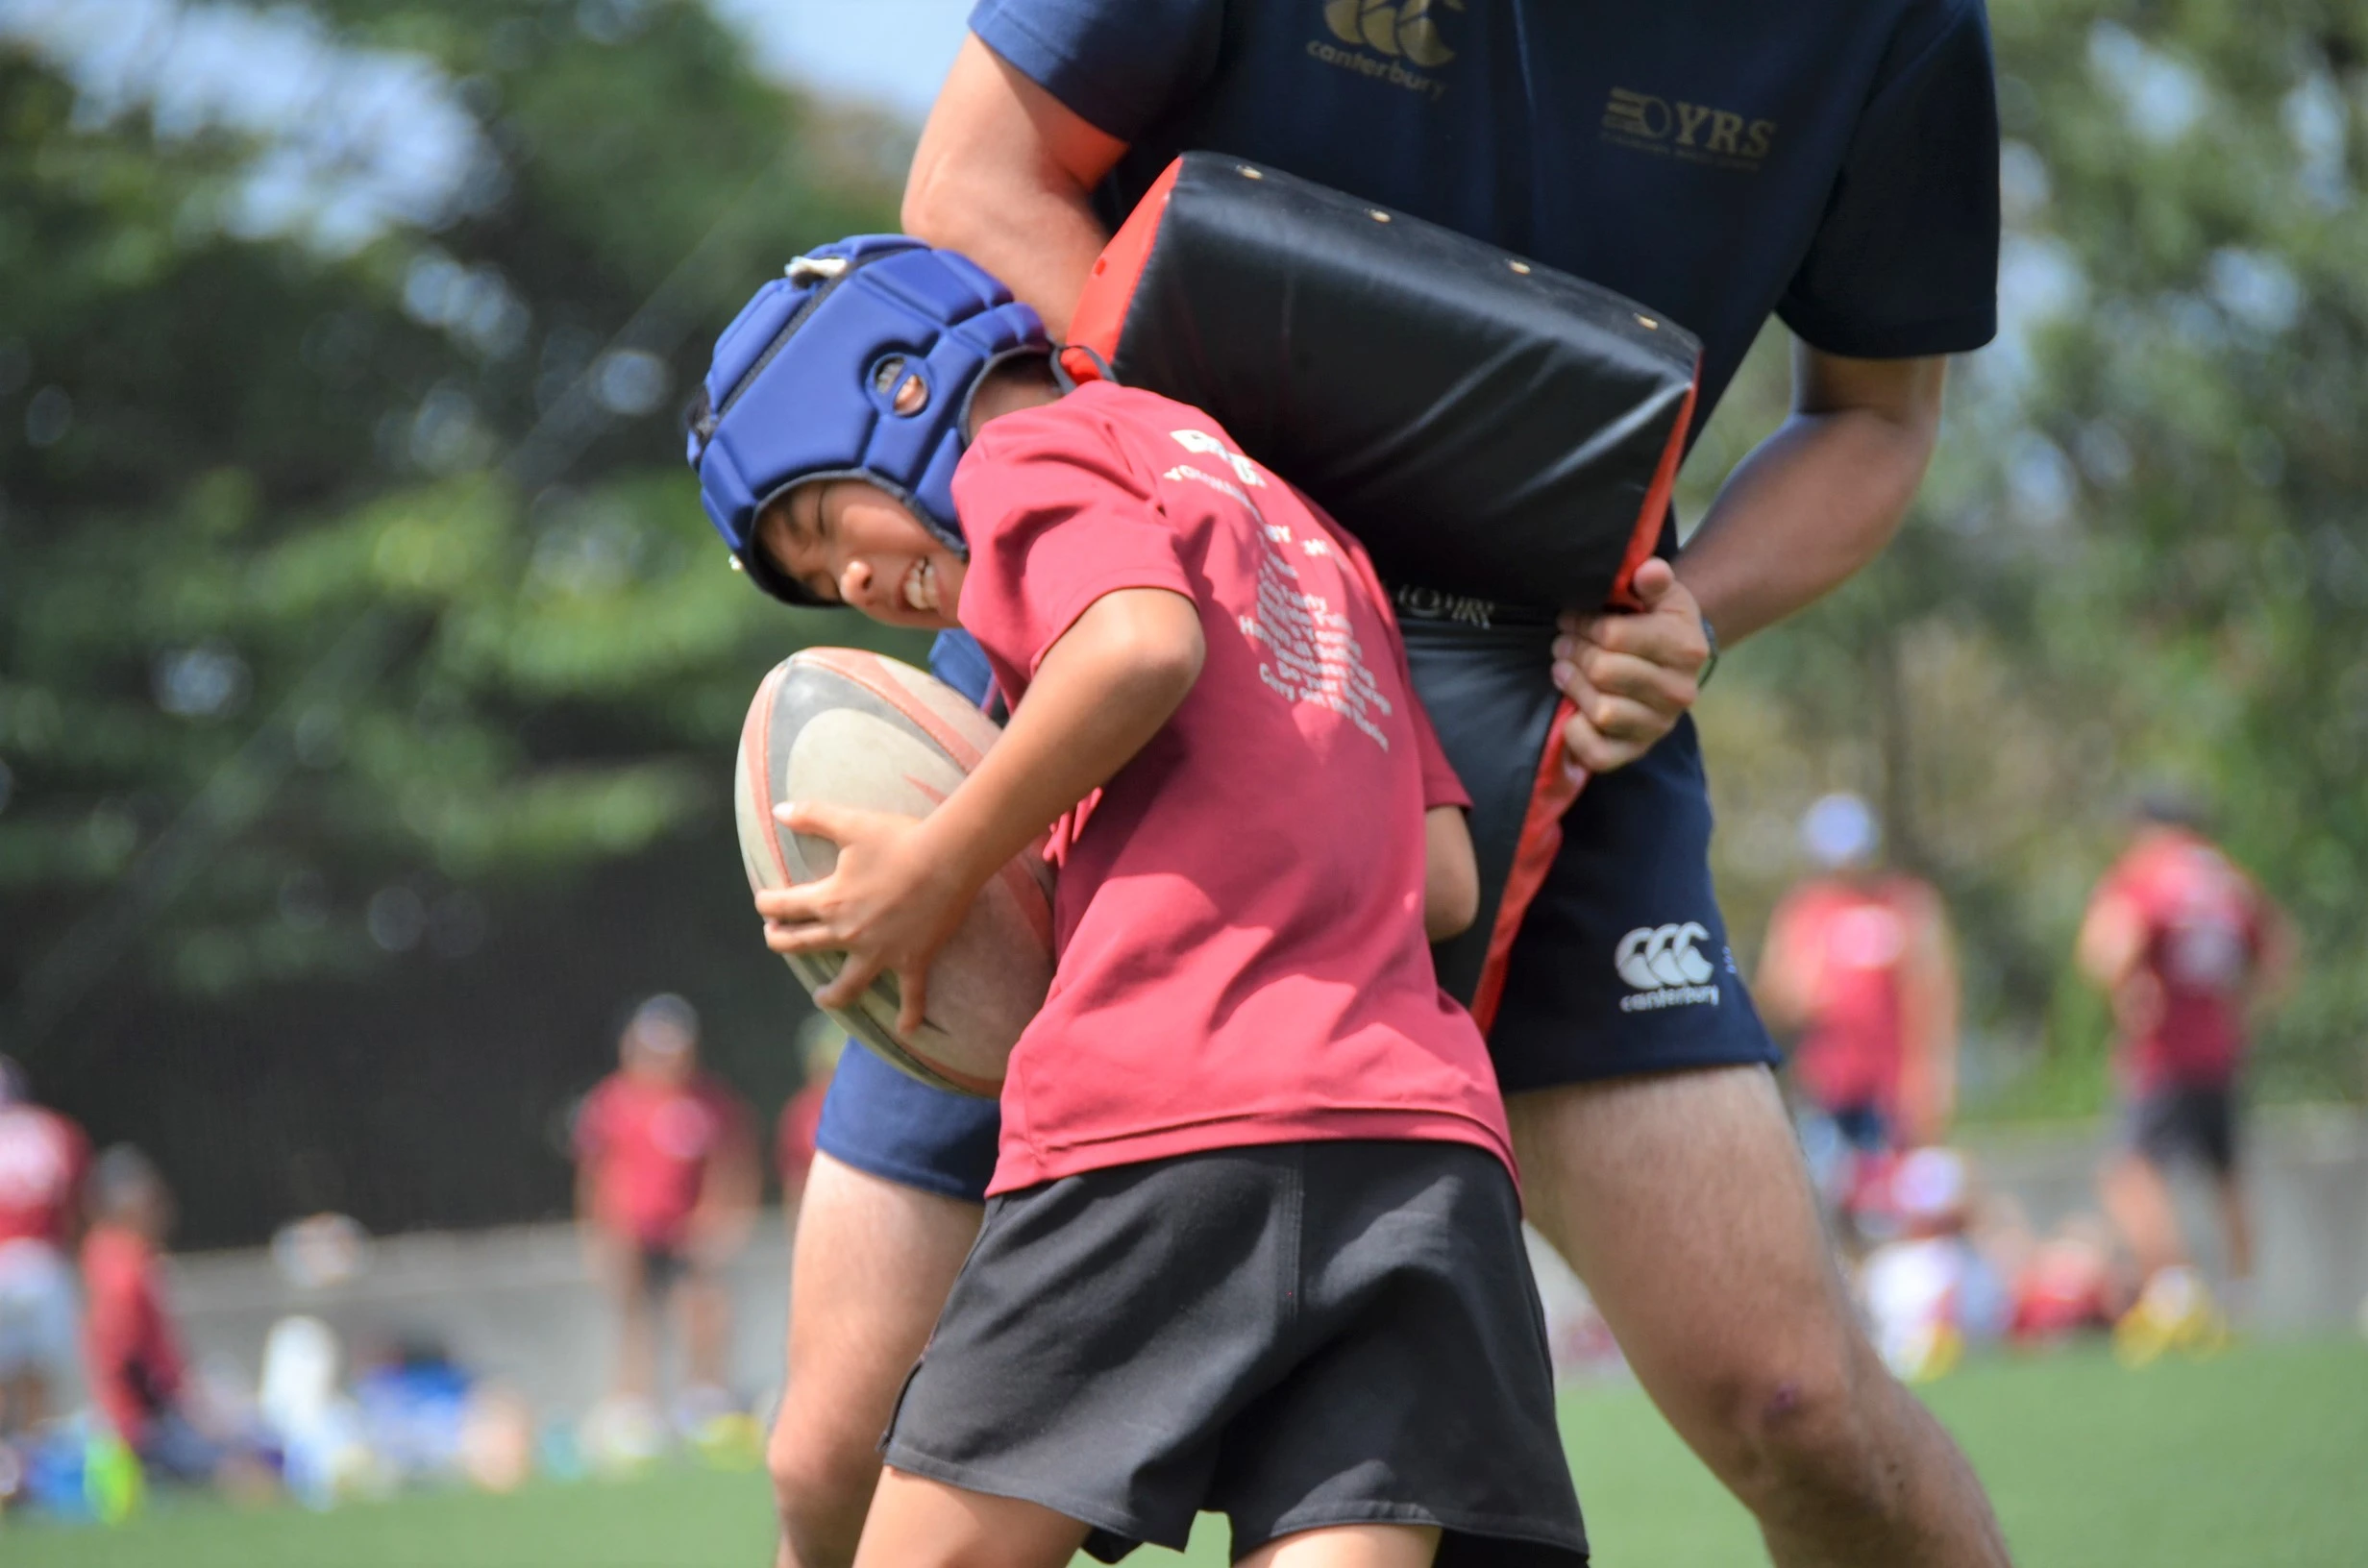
[1815,1433]
[822,1480]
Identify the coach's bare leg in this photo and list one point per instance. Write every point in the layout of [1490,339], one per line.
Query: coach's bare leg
[1681,1200]
[873,1263]
[1349,1546]
[920,1523]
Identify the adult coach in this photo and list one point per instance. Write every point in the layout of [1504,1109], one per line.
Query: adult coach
[1834,162]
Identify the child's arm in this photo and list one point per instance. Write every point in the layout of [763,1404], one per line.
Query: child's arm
[1450,875]
[903,885]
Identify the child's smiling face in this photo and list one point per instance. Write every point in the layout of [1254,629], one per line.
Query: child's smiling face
[847,542]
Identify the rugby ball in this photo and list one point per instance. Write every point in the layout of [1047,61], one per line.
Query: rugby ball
[840,726]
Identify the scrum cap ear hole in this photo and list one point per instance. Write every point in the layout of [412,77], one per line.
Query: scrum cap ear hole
[896,383]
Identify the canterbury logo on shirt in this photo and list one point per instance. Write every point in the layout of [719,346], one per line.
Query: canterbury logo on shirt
[1388,38]
[1692,132]
[1663,966]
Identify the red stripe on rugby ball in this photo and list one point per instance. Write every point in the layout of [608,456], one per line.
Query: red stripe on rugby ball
[865,670]
[756,751]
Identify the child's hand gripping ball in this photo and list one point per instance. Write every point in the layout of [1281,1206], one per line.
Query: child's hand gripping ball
[857,742]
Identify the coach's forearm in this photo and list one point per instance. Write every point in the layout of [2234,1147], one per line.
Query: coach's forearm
[1819,499]
[986,218]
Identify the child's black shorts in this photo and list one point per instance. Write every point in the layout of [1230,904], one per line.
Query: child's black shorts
[1296,1336]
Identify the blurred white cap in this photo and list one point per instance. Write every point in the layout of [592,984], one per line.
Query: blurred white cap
[1930,1185]
[1840,831]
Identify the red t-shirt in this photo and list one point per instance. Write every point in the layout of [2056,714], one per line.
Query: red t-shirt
[1848,945]
[649,1146]
[127,1333]
[42,1157]
[2204,922]
[1239,914]
[802,1118]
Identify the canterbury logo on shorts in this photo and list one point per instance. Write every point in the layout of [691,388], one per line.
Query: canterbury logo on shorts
[1663,968]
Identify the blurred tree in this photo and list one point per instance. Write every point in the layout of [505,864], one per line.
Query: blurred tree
[2143,554]
[350,562]
[368,672]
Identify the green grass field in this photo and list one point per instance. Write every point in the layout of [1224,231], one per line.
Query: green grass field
[2259,1458]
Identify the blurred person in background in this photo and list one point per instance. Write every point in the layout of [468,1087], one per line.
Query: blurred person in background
[138,1376]
[1859,968]
[2185,946]
[42,1160]
[820,1044]
[1943,1284]
[666,1188]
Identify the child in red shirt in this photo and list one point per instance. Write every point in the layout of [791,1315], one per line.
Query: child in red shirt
[666,1187]
[129,1340]
[1252,1243]
[43,1158]
[2185,945]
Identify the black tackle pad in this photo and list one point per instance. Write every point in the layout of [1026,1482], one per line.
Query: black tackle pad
[1485,425]
[1486,689]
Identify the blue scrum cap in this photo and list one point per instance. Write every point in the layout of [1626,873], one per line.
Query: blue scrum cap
[859,363]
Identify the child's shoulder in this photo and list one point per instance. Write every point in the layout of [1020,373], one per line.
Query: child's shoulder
[1097,415]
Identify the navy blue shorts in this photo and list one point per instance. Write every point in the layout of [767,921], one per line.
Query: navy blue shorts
[1618,966]
[1619,963]
[899,1129]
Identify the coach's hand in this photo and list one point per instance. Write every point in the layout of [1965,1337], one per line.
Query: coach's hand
[1631,674]
[890,904]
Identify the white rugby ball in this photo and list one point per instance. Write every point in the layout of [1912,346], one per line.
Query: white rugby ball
[841,726]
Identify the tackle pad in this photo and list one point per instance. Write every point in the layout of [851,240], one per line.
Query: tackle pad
[1502,438]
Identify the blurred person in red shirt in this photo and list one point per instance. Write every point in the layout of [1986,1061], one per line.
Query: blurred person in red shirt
[42,1159]
[130,1342]
[801,1116]
[666,1185]
[1860,969]
[2184,943]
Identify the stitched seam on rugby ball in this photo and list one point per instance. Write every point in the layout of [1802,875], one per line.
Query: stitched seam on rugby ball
[986,1088]
[866,670]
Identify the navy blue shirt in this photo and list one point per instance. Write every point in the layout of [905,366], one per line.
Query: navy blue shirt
[1835,161]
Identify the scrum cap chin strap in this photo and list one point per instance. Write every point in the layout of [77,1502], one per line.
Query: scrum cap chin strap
[859,362]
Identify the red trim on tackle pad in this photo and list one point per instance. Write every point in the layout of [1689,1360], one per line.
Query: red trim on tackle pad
[1557,785]
[1109,293]
[1643,543]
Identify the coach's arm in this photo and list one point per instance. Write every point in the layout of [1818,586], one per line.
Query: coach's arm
[1004,174]
[1821,497]
[1807,508]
